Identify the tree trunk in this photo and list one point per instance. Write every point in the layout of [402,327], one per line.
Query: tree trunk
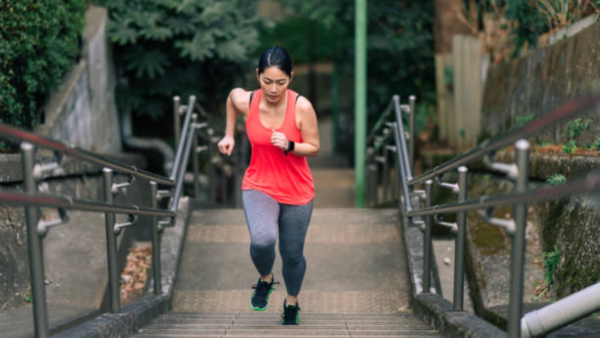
[448,22]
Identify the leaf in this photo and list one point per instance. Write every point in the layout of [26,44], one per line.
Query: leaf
[199,48]
[180,24]
[120,31]
[231,50]
[156,33]
[147,63]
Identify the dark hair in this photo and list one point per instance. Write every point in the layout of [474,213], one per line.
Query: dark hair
[275,57]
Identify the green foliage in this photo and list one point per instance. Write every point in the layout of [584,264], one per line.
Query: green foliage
[27,298]
[557,179]
[551,260]
[449,76]
[569,147]
[179,47]
[399,46]
[529,21]
[523,120]
[575,127]
[596,144]
[39,41]
[304,38]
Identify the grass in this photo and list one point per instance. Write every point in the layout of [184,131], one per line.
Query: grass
[557,179]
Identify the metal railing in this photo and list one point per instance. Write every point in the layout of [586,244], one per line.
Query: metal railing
[37,229]
[230,168]
[417,205]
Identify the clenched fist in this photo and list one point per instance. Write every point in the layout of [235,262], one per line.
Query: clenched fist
[226,145]
[279,140]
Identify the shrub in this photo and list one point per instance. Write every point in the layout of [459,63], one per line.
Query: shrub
[173,47]
[557,179]
[39,40]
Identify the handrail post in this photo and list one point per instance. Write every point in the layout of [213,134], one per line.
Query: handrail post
[111,245]
[404,177]
[211,169]
[34,241]
[459,254]
[156,268]
[371,201]
[427,239]
[411,130]
[194,155]
[386,174]
[224,192]
[176,120]
[518,245]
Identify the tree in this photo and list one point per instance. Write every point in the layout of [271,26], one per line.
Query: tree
[400,46]
[179,47]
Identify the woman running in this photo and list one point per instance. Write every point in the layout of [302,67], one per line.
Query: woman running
[278,189]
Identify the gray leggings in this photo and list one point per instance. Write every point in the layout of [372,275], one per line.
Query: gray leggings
[265,216]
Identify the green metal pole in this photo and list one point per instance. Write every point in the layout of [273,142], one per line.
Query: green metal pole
[360,96]
[335,106]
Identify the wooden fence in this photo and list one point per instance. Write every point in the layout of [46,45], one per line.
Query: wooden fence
[460,79]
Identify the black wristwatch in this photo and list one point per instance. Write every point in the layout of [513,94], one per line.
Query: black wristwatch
[291,145]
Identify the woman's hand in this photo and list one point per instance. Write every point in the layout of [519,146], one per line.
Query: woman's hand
[279,140]
[226,145]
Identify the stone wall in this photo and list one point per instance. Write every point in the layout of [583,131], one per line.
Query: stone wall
[83,111]
[540,81]
[533,85]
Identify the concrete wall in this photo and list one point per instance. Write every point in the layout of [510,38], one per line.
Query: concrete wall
[83,111]
[533,85]
[541,81]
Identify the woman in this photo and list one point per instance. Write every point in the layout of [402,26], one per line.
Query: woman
[277,190]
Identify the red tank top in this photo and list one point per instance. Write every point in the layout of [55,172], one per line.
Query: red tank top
[285,178]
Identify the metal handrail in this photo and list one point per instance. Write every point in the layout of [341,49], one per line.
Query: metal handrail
[15,198]
[586,185]
[519,198]
[37,228]
[183,137]
[189,134]
[88,156]
[381,121]
[566,111]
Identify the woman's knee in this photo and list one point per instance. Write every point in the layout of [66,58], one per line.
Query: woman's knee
[263,244]
[292,258]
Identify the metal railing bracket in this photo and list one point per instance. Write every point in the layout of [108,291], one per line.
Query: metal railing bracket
[40,170]
[437,218]
[508,225]
[452,186]
[44,226]
[119,187]
[162,225]
[131,220]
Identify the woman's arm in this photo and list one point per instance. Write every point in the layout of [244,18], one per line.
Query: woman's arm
[236,104]
[307,123]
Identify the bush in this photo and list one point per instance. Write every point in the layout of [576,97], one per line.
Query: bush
[38,42]
[172,47]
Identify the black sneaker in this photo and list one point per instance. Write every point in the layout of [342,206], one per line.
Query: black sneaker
[260,296]
[291,314]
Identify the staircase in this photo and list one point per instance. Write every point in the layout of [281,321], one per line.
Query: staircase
[267,325]
[355,284]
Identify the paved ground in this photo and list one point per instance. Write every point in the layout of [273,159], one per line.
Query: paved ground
[355,262]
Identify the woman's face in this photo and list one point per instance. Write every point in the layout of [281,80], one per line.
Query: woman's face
[274,83]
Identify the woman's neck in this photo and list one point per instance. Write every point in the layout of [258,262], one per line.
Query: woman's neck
[276,105]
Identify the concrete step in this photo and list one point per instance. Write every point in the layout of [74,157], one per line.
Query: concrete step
[268,324]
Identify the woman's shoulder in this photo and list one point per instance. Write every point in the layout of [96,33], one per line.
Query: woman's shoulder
[241,98]
[303,105]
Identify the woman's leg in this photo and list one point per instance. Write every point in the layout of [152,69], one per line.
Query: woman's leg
[293,226]
[262,213]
